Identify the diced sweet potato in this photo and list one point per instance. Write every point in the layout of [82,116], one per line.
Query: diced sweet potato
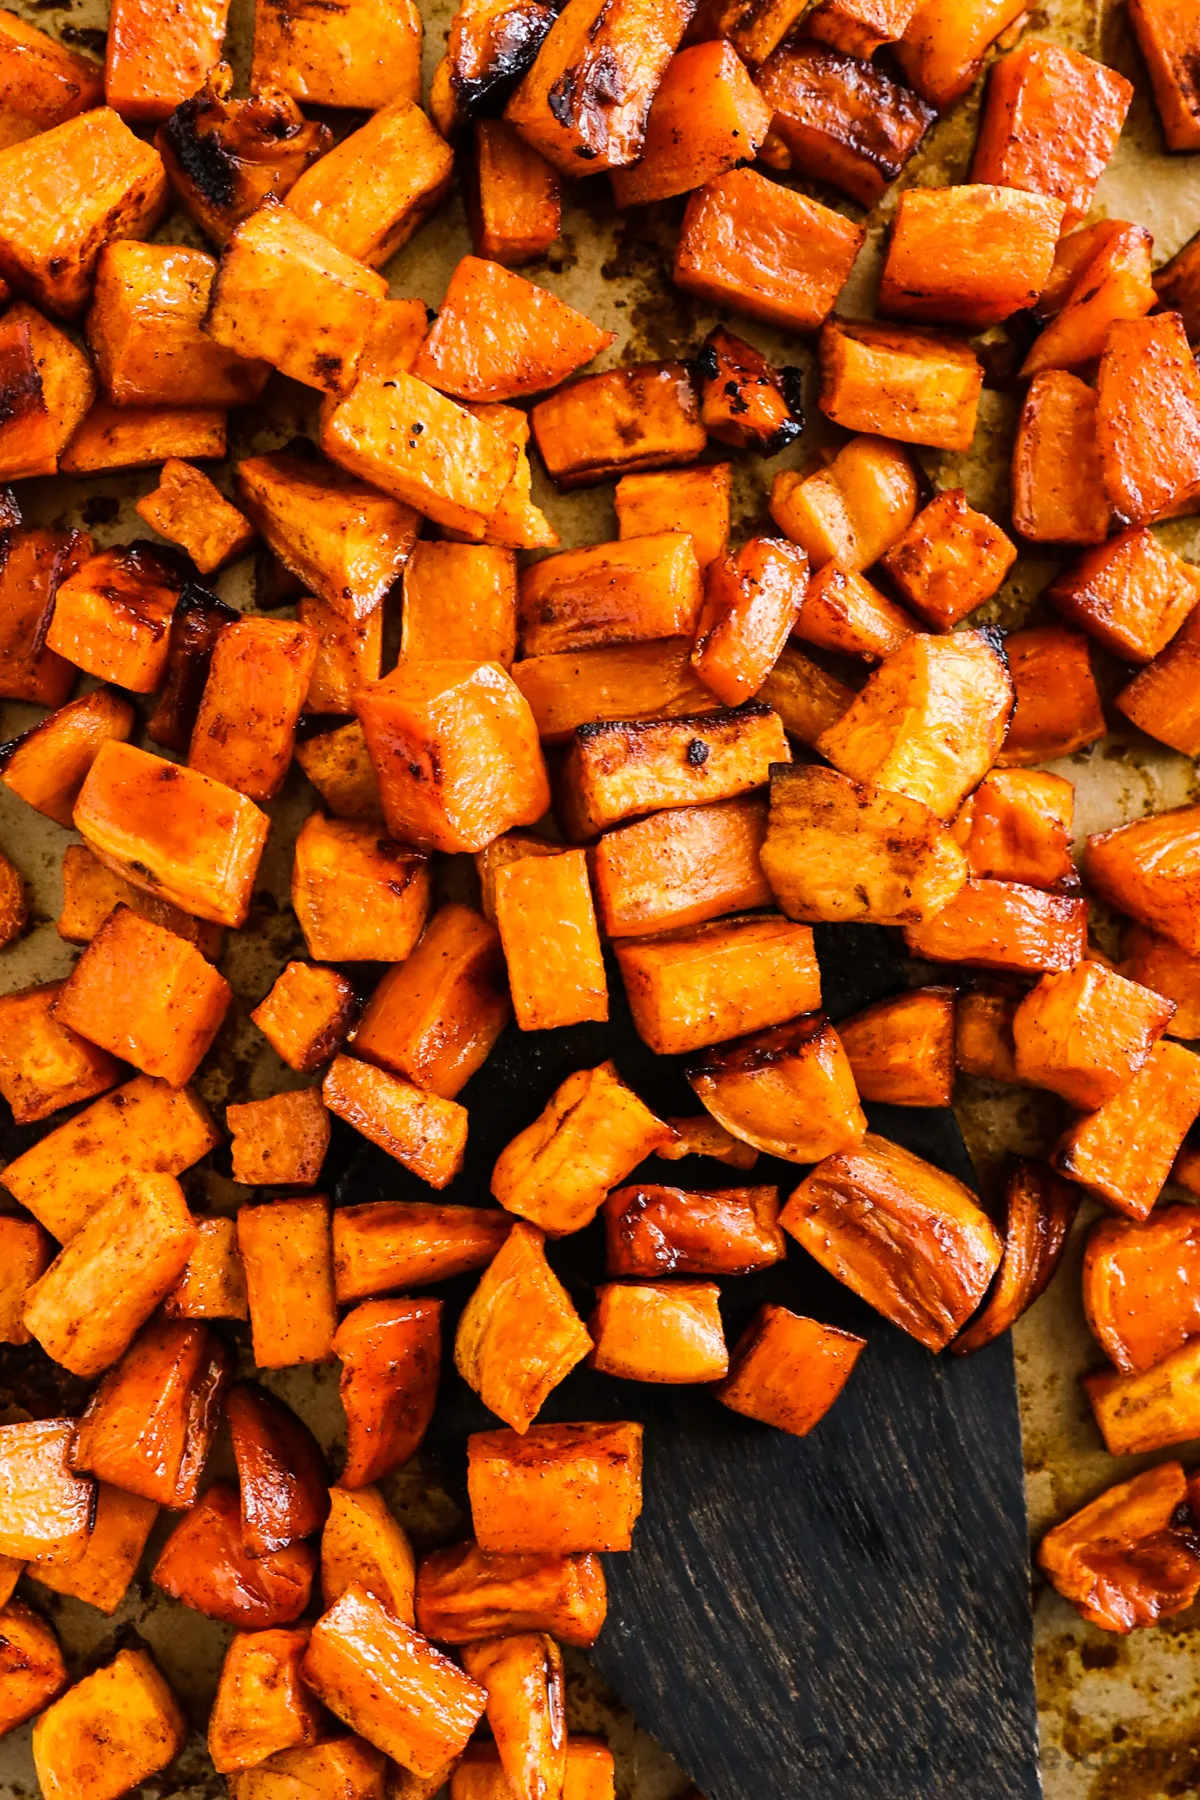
[366,56]
[624,681]
[1149,870]
[843,613]
[135,437]
[788,1091]
[901,384]
[383,1679]
[110,1732]
[159,54]
[1157,963]
[681,867]
[1131,593]
[340,768]
[510,847]
[670,1231]
[390,1351]
[593,1132]
[1148,419]
[1058,704]
[643,417]
[144,331]
[842,120]
[464,1594]
[752,601]
[435,1017]
[1161,700]
[1122,1153]
[204,1564]
[1004,925]
[942,48]
[787,1371]
[14,910]
[1129,1558]
[257,681]
[149,1426]
[950,560]
[860,27]
[901,1051]
[111,618]
[373,189]
[261,1704]
[1114,283]
[91,891]
[589,1774]
[196,622]
[903,1235]
[349,653]
[489,45]
[547,923]
[281,1140]
[97,1292]
[1018,826]
[765,250]
[32,566]
[945,238]
[103,1573]
[213,1285]
[144,1126]
[556,1491]
[362,1545]
[188,510]
[1057,479]
[983,1040]
[44,1065]
[67,192]
[606,594]
[307,1015]
[1040,1212]
[408,1243]
[47,1509]
[48,765]
[1139,1291]
[1084,1032]
[699,986]
[691,500]
[25,1254]
[464,595]
[287,1255]
[851,510]
[585,101]
[281,1472]
[500,337]
[706,118]
[659,1331]
[526,1709]
[359,896]
[1167,37]
[1149,1409]
[516,196]
[341,1768]
[42,81]
[744,400]
[173,832]
[424,1132]
[519,1335]
[48,386]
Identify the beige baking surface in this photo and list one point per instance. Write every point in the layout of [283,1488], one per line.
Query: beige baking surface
[1120,1717]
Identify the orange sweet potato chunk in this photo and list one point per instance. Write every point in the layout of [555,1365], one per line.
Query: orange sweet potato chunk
[363,1545]
[654,1231]
[464,1594]
[942,48]
[48,765]
[367,56]
[1149,419]
[558,1490]
[204,1564]
[359,896]
[307,1015]
[127,1705]
[526,1709]
[136,437]
[112,617]
[1004,925]
[901,1051]
[1146,1411]
[950,560]
[667,1332]
[281,1140]
[1157,963]
[25,1254]
[589,1773]
[158,55]
[281,1472]
[547,923]
[788,1371]
[349,654]
[423,1131]
[946,238]
[103,1573]
[1131,593]
[983,1041]
[519,1335]
[47,1509]
[1162,699]
[213,1285]
[1167,37]
[44,1065]
[851,510]
[1149,869]
[1123,1561]
[896,383]
[844,614]
[1113,282]
[643,417]
[745,401]
[500,337]
[390,1351]
[287,1254]
[1058,706]
[246,726]
[261,1705]
[188,510]
[1057,477]
[692,500]
[707,983]
[409,1243]
[196,623]
[707,117]
[377,185]
[1084,1032]
[625,681]
[681,867]
[516,197]
[1139,1290]
[144,331]
[860,27]
[460,594]
[32,566]
[840,120]
[607,594]
[752,601]
[788,1091]
[1123,1152]
[1018,826]
[1040,1210]
[42,82]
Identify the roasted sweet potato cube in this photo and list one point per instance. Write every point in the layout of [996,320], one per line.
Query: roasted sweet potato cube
[1162,700]
[901,384]
[519,1335]
[48,387]
[149,1426]
[14,910]
[25,1254]
[1058,704]
[699,986]
[691,500]
[707,117]
[102,1575]
[188,510]
[97,1292]
[744,400]
[1147,1410]
[607,594]
[845,614]
[225,157]
[46,1510]
[345,541]
[67,192]
[159,54]
[589,1772]
[901,1051]
[340,768]
[110,1732]
[500,337]
[362,1545]
[765,250]
[592,1133]
[943,240]
[983,1040]
[373,189]
[135,437]
[516,196]
[516,523]
[1058,488]
[1122,1153]
[788,1371]
[349,653]
[42,81]
[1149,870]
[464,1594]
[424,1132]
[788,1091]
[752,601]
[367,57]
[307,1015]
[1148,419]
[204,1564]
[1155,962]
[287,1254]
[1113,283]
[261,1705]
[144,331]
[643,417]
[145,1125]
[44,1065]
[112,616]
[669,1231]
[942,48]
[627,681]
[173,832]
[1131,593]
[681,867]
[32,566]
[146,995]
[1129,1558]
[1017,826]
[860,27]
[48,765]
[281,1140]
[1040,1212]
[853,509]
[463,595]
[547,923]
[558,1490]
[701,1136]
[1084,1032]
[213,1285]
[196,623]
[281,1472]
[526,1708]
[341,1768]
[257,681]
[667,1331]
[489,45]
[903,1235]
[950,560]
[285,294]
[1004,925]
[359,896]
[1167,37]
[1139,1291]
[407,1243]
[842,120]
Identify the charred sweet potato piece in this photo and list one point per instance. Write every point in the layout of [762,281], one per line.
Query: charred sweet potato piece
[1139,1291]
[464,595]
[744,400]
[903,1235]
[1040,1212]
[901,1051]
[431,727]
[225,157]
[1058,704]
[526,1709]
[367,56]
[1004,925]
[149,1426]
[261,1705]
[146,995]
[765,250]
[1148,419]
[519,1335]
[516,196]
[752,601]
[112,616]
[643,417]
[942,48]
[624,681]
[381,1677]
[901,384]
[1131,593]
[421,1130]
[943,240]
[281,1472]
[500,337]
[173,832]
[691,500]
[47,1508]
[788,1371]
[188,510]
[853,509]
[1123,1151]
[707,117]
[659,1331]
[1129,1558]
[860,27]
[307,1015]
[44,1065]
[1114,283]
[407,1243]
[196,623]
[257,681]
[435,1017]
[281,1140]
[788,1091]
[373,189]
[32,564]
[681,867]
[592,1133]
[64,194]
[753,27]
[1057,478]
[1148,1409]
[950,560]
[1018,826]
[42,82]
[465,1594]
[704,984]
[607,594]
[1155,962]
[25,1254]
[558,1490]
[1167,37]
[489,45]
[102,1575]
[1149,869]
[1162,701]
[204,1563]
[287,1254]
[362,1545]
[842,120]
[670,1231]
[135,437]
[127,1708]
[145,1125]
[547,923]
[1084,1032]
[359,896]
[144,331]
[48,765]
[843,613]
[213,1284]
